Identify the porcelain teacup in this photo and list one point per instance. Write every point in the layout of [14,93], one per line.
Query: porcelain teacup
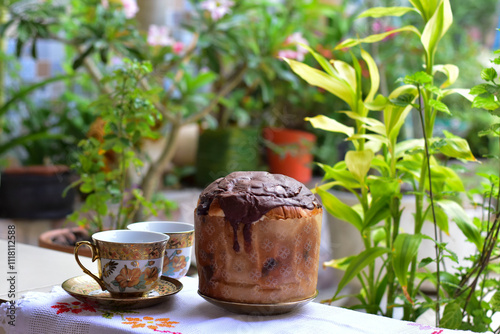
[129,262]
[178,253]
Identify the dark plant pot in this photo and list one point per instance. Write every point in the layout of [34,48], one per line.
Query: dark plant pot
[36,192]
[223,151]
[64,240]
[291,152]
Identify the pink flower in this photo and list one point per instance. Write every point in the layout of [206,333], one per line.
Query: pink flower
[178,47]
[291,54]
[294,39]
[105,3]
[217,8]
[297,38]
[159,35]
[130,8]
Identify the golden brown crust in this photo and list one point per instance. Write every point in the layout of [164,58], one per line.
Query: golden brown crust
[282,212]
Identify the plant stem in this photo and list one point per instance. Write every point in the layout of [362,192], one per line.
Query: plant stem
[431,196]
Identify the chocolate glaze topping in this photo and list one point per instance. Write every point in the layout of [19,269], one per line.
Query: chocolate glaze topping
[246,196]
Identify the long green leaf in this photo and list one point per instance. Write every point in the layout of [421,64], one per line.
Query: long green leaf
[386,11]
[359,263]
[315,77]
[405,249]
[340,210]
[451,71]
[28,138]
[456,213]
[25,91]
[436,27]
[425,7]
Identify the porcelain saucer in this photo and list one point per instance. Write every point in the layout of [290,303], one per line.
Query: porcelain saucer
[259,309]
[85,289]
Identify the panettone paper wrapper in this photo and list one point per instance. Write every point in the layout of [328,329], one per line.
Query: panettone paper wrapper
[277,263]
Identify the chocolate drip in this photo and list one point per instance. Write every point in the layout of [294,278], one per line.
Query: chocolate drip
[246,196]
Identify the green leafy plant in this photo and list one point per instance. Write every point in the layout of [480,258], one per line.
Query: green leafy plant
[382,166]
[475,292]
[104,166]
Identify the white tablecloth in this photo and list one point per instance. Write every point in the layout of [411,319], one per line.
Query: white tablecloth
[187,313]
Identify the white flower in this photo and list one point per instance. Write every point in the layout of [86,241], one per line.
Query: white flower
[130,8]
[159,35]
[217,8]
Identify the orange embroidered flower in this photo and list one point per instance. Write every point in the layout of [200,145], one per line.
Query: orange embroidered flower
[128,277]
[151,323]
[151,274]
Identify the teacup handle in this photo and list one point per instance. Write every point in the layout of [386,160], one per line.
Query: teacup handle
[95,256]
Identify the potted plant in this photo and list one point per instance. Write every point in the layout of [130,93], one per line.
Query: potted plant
[380,163]
[33,190]
[95,32]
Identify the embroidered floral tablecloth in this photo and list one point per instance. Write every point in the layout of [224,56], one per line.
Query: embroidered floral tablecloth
[187,313]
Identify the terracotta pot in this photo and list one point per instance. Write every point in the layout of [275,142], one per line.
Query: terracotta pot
[290,152]
[63,240]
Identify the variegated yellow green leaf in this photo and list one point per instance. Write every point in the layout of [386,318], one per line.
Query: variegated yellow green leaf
[436,27]
[340,264]
[386,11]
[348,43]
[461,91]
[456,147]
[329,124]
[374,75]
[325,64]
[315,77]
[346,72]
[358,163]
[425,7]
[451,71]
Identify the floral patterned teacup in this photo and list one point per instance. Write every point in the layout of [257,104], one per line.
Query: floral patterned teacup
[129,262]
[178,253]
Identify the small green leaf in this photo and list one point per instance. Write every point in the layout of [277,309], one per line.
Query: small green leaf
[452,317]
[339,209]
[495,301]
[488,74]
[340,264]
[425,262]
[438,105]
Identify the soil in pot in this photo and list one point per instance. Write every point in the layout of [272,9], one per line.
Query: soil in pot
[64,240]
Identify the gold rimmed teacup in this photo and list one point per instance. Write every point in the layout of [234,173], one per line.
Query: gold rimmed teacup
[129,262]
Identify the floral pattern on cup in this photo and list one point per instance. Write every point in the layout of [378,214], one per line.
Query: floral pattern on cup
[176,262]
[130,276]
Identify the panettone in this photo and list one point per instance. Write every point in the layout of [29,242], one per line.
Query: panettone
[257,239]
